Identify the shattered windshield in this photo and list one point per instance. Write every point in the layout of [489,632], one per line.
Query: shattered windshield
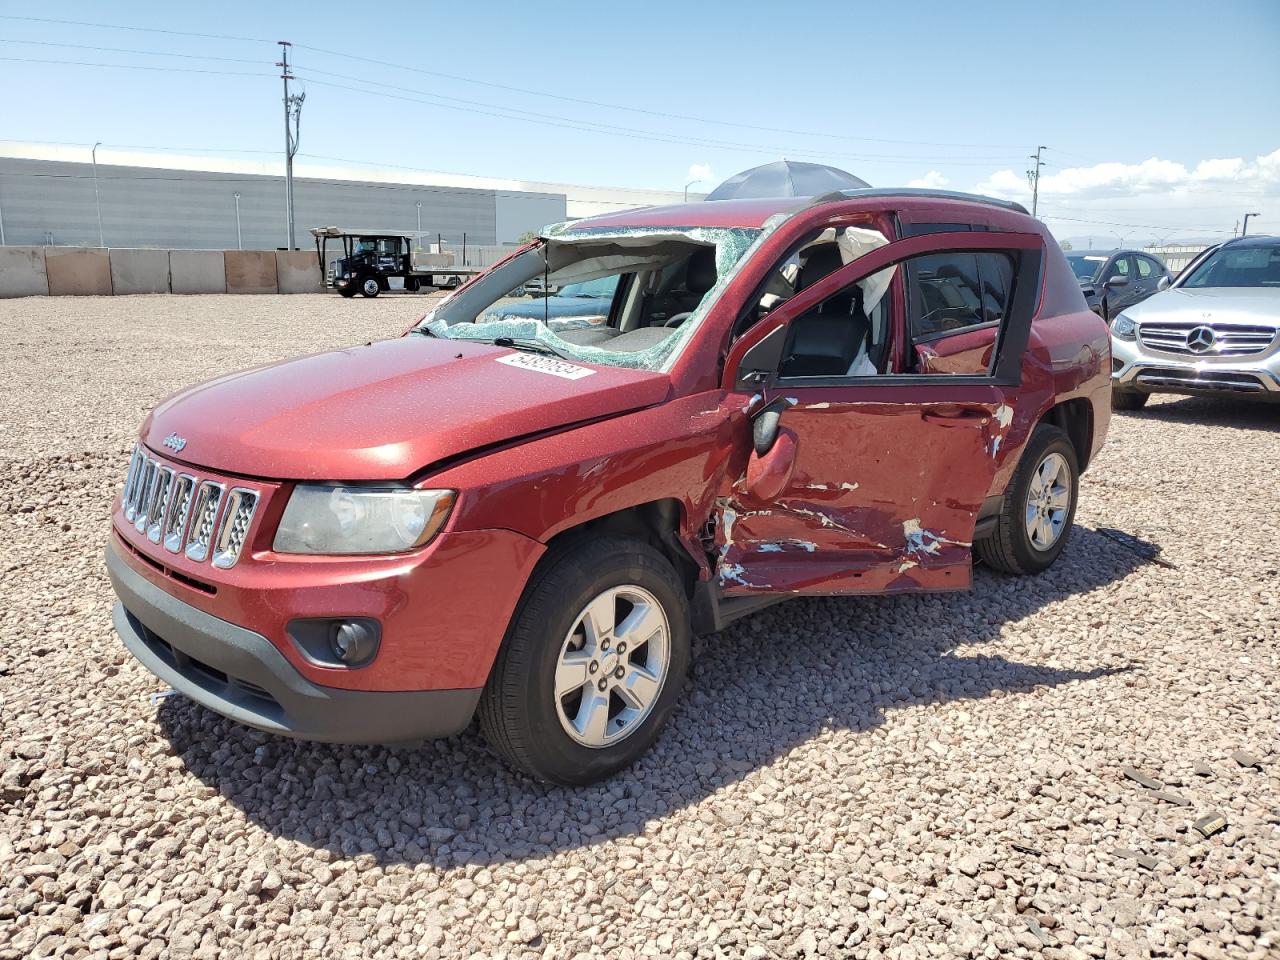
[624,297]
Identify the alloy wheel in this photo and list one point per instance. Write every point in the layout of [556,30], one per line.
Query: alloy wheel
[612,666]
[1048,501]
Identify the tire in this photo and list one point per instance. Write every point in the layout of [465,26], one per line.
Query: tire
[347,292]
[369,287]
[520,713]
[1010,547]
[1128,399]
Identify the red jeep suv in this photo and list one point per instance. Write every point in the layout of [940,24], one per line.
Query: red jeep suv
[505,514]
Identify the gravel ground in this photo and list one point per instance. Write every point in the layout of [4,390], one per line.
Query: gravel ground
[899,778]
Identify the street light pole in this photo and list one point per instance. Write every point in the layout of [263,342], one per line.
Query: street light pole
[686,188]
[417,241]
[239,242]
[1245,229]
[97,200]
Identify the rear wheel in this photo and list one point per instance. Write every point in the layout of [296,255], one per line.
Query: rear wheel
[592,664]
[1034,524]
[1128,399]
[369,287]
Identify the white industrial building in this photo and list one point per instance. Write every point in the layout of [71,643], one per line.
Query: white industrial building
[58,196]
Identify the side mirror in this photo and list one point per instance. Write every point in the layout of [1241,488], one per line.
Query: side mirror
[764,426]
[1116,282]
[773,458]
[1164,283]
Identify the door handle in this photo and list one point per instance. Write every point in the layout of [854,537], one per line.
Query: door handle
[956,415]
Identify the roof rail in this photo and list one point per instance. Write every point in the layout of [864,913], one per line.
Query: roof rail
[859,193]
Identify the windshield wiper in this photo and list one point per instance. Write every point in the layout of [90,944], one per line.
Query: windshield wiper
[534,346]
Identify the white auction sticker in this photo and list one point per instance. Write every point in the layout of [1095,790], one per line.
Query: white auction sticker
[542,364]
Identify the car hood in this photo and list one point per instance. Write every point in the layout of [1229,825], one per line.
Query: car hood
[386,410]
[1210,305]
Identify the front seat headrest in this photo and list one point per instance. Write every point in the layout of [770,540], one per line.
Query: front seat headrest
[819,262]
[700,274]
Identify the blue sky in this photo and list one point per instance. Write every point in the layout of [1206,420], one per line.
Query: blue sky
[1132,100]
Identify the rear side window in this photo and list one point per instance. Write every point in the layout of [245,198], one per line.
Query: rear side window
[948,292]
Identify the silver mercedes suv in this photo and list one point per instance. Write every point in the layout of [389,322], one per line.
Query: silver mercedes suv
[1214,332]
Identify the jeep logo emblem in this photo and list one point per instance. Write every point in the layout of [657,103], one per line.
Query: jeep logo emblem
[175,442]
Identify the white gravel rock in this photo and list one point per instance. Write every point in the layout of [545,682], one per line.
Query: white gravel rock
[843,778]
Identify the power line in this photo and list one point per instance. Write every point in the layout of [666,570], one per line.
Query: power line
[522,90]
[1136,226]
[135,66]
[590,126]
[145,53]
[653,113]
[116,26]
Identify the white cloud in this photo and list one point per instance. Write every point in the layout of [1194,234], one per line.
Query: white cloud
[701,171]
[932,180]
[1159,196]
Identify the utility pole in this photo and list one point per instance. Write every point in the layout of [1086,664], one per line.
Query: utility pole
[292,121]
[239,240]
[1033,178]
[97,201]
[1244,231]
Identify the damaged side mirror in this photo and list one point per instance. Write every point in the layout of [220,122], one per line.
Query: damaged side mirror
[773,455]
[764,426]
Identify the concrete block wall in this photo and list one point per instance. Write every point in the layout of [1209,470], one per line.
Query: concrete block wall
[78,271]
[297,272]
[197,271]
[139,271]
[27,271]
[251,271]
[22,272]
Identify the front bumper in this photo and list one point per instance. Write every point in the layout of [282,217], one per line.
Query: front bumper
[242,675]
[1139,369]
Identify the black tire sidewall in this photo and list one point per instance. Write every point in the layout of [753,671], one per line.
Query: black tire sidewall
[1128,399]
[1046,439]
[524,674]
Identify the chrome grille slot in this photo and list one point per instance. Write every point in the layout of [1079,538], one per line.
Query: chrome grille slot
[234,531]
[131,483]
[203,519]
[163,497]
[1199,379]
[1229,339]
[175,525]
[146,494]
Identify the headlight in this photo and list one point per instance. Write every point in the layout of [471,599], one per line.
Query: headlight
[347,520]
[1124,328]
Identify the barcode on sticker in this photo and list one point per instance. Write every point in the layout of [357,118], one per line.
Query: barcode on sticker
[541,364]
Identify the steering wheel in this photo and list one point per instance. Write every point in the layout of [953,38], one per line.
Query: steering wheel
[676,319]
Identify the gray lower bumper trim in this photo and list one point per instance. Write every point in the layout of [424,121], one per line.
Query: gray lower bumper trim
[240,674]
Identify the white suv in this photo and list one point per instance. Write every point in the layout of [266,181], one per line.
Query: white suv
[1214,332]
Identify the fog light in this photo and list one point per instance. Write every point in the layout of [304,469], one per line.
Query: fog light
[337,641]
[352,642]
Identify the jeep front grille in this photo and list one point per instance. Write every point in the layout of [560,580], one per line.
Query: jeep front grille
[208,500]
[160,503]
[185,513]
[175,525]
[1224,339]
[235,527]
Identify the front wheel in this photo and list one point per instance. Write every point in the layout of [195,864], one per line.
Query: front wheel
[1128,399]
[1034,524]
[592,664]
[369,287]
